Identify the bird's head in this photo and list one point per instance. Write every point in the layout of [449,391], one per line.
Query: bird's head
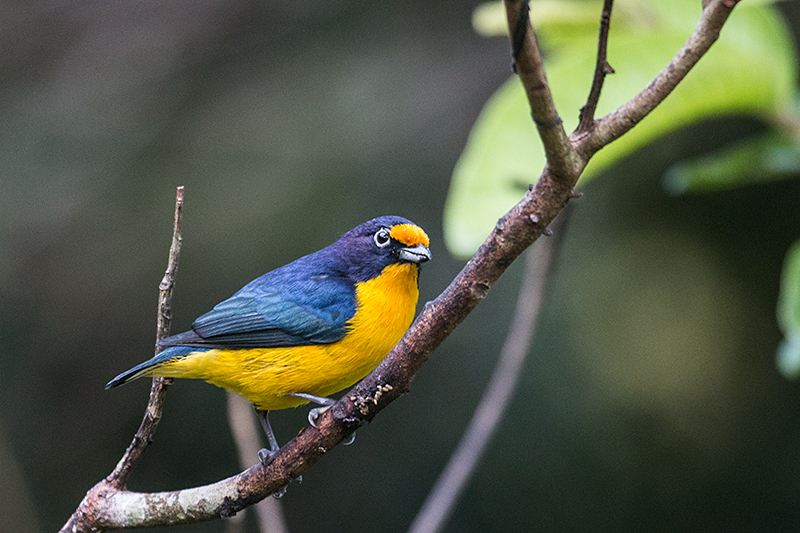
[372,246]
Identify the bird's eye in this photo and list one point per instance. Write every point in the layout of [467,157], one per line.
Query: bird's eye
[382,238]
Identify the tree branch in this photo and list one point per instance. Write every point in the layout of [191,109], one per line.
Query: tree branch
[528,64]
[107,507]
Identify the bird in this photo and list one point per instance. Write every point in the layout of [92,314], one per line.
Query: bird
[306,330]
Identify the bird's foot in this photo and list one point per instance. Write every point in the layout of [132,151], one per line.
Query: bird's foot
[314,414]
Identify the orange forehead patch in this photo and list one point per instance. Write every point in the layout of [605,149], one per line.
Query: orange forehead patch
[410,235]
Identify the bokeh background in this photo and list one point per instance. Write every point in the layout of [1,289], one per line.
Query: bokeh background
[650,401]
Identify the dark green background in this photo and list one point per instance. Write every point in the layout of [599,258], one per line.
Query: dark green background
[650,401]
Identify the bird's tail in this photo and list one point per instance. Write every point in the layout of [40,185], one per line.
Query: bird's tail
[145,368]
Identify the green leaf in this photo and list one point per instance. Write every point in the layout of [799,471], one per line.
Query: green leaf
[560,20]
[766,158]
[750,70]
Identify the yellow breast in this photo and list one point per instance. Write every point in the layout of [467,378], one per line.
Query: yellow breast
[385,307]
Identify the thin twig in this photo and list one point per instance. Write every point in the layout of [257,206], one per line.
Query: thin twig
[83,519]
[119,477]
[601,69]
[242,421]
[484,424]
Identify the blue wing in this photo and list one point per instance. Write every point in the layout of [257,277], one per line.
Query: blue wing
[286,307]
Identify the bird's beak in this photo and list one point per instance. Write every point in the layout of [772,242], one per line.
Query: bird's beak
[415,254]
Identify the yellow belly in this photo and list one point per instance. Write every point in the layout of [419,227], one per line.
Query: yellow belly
[266,376]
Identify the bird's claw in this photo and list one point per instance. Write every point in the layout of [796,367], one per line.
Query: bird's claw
[266,456]
[315,413]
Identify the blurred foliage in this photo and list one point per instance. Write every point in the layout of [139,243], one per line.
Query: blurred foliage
[762,158]
[650,401]
[789,314]
[751,70]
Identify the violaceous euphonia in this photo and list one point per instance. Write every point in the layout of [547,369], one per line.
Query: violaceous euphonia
[307,329]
